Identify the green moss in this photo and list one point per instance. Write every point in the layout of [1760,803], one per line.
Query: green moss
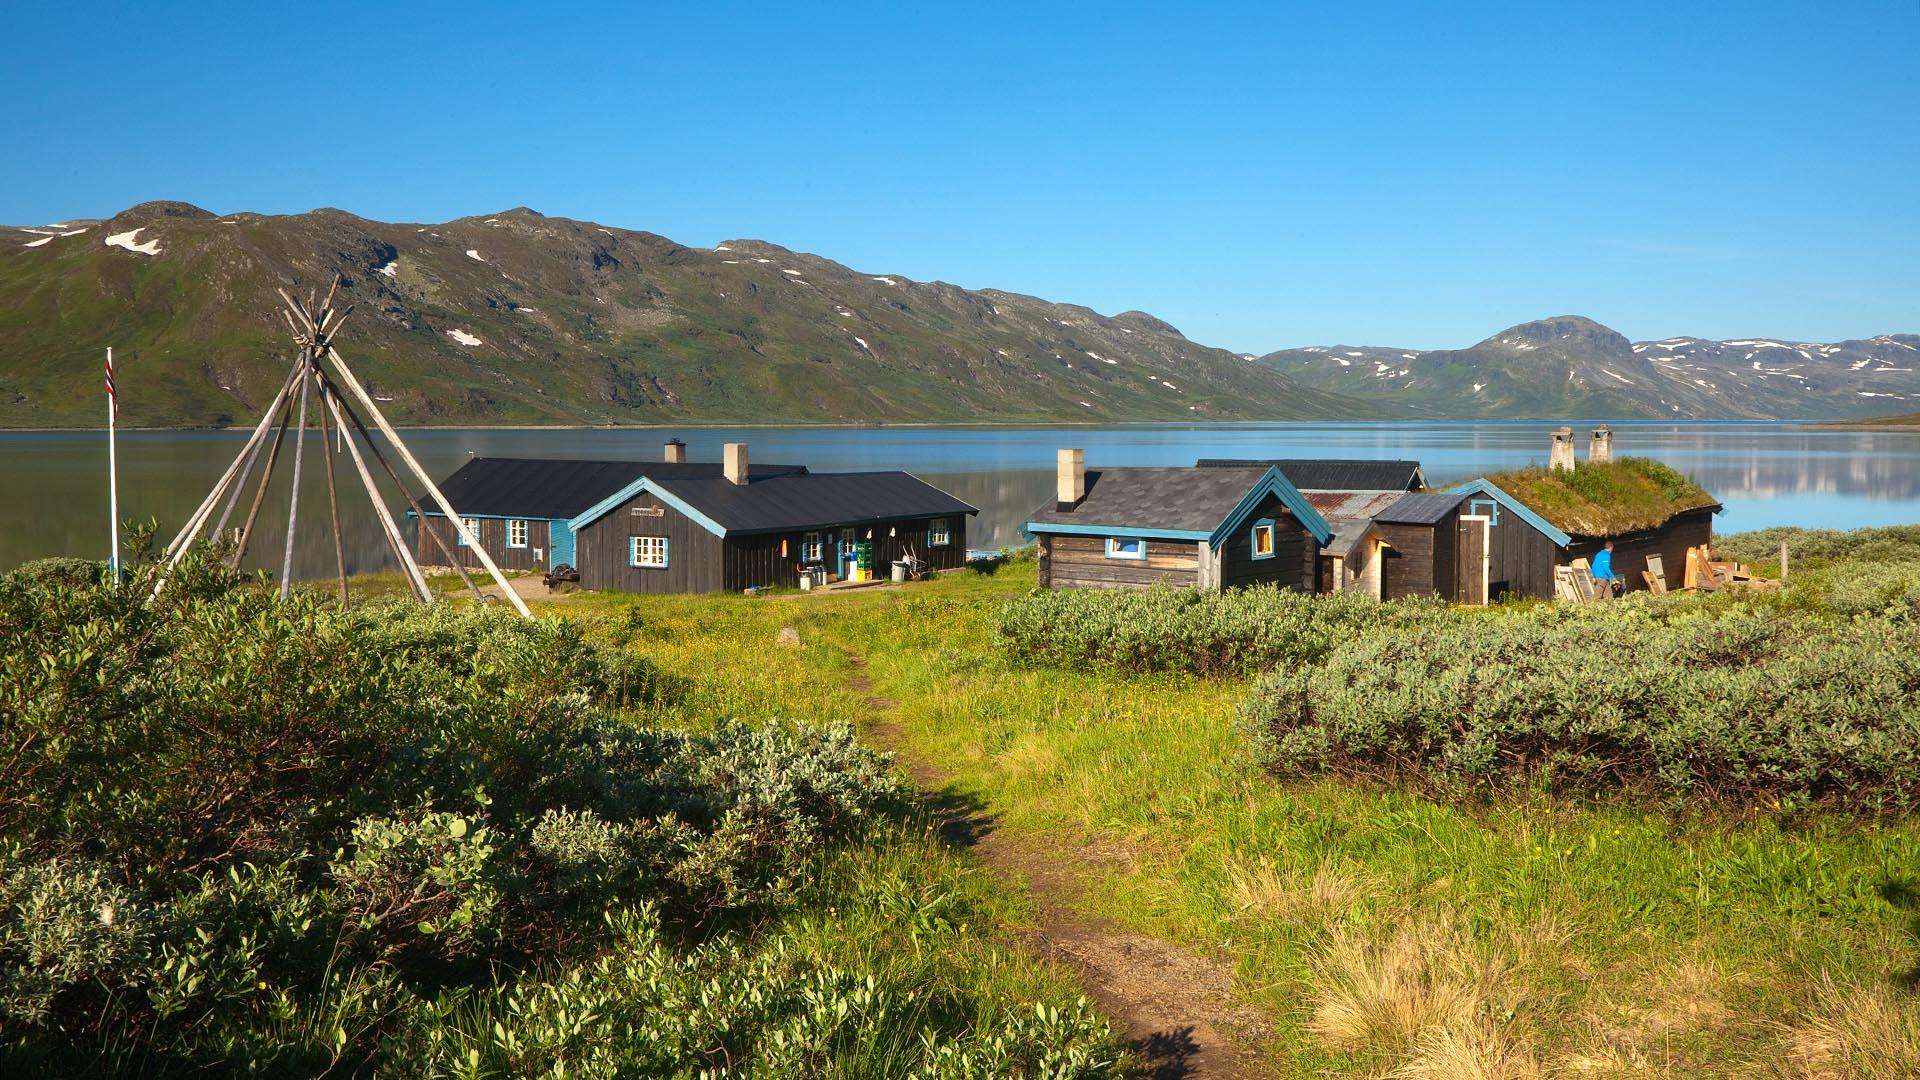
[1608,499]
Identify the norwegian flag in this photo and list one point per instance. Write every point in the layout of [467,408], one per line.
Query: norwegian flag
[112,401]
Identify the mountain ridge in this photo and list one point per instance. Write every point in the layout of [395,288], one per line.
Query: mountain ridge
[1570,366]
[520,318]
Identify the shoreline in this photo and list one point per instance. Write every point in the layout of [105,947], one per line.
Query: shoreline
[1821,425]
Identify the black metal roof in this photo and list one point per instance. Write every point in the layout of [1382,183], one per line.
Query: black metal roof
[562,488]
[1334,474]
[1420,509]
[803,500]
[1162,499]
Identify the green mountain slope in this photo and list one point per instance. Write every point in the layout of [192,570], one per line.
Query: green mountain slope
[520,318]
[1572,367]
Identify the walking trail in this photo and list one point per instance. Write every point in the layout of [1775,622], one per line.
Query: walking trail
[1174,1007]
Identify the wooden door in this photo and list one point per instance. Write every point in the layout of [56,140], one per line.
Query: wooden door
[1473,559]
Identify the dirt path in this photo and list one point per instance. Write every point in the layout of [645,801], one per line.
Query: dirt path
[1176,1008]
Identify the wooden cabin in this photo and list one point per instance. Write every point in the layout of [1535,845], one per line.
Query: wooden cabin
[1543,519]
[1215,527]
[680,526]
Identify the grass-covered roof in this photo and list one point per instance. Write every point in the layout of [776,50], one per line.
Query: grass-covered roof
[1620,496]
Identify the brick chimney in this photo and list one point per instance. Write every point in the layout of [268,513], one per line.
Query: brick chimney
[1600,449]
[736,466]
[676,452]
[1070,479]
[1562,456]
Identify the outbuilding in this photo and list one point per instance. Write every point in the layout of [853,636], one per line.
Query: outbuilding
[1213,527]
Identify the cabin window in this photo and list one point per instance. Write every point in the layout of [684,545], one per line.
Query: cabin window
[647,551]
[811,549]
[1126,547]
[473,526]
[516,533]
[940,534]
[1263,538]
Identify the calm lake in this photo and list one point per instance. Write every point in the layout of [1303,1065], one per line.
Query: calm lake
[53,483]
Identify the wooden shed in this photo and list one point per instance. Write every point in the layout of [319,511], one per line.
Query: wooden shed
[679,526]
[1541,519]
[1214,527]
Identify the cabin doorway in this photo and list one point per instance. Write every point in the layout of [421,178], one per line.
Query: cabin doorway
[1474,559]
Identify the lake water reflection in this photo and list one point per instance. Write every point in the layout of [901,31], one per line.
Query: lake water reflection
[52,484]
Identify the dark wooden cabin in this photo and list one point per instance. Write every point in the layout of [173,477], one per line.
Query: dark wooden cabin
[1216,527]
[1527,544]
[679,526]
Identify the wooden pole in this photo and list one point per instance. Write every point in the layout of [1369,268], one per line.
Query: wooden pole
[333,500]
[1783,560]
[293,500]
[260,493]
[452,557]
[199,517]
[380,421]
[414,576]
[233,494]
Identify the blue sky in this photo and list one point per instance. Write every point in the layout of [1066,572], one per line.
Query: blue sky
[1260,176]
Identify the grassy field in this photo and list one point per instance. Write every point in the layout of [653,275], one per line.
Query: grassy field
[1378,930]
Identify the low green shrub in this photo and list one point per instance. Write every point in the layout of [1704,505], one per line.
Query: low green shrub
[1203,632]
[245,835]
[1687,698]
[1761,547]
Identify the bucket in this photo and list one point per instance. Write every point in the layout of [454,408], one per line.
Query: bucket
[899,571]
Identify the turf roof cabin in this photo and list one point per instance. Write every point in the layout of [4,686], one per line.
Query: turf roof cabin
[1212,528]
[1546,518]
[681,526]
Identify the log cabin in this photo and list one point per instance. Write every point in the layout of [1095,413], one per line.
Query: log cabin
[1541,519]
[681,526]
[1213,528]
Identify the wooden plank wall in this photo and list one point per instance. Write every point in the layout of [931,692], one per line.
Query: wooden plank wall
[1522,560]
[694,555]
[1080,562]
[1408,566]
[756,559]
[493,537]
[1670,541]
[1295,553]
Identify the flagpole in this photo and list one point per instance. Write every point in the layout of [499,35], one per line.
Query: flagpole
[113,476]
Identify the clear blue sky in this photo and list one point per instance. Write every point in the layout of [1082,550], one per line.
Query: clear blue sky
[1260,176]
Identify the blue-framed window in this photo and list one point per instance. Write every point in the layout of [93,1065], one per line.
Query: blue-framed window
[473,526]
[647,552]
[939,533]
[1263,538]
[516,532]
[1487,508]
[811,549]
[1126,547]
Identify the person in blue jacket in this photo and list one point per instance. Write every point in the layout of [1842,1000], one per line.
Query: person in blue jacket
[1603,570]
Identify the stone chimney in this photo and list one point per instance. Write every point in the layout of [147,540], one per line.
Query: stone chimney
[676,452]
[1600,449]
[1070,479]
[736,466]
[1562,456]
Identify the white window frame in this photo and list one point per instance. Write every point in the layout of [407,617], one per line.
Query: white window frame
[473,526]
[647,552]
[812,548]
[1115,551]
[940,533]
[520,524]
[1253,538]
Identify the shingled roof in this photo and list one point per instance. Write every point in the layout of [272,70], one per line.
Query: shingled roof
[1420,509]
[798,501]
[1334,474]
[563,488]
[1187,503]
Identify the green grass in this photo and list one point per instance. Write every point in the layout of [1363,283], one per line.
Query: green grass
[1607,499]
[1562,935]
